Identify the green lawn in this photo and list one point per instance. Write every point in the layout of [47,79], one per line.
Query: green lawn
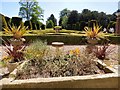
[51,31]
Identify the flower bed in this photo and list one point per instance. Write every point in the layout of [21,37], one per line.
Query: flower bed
[74,68]
[87,81]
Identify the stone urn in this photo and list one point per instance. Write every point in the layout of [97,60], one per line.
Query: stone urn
[12,66]
[17,42]
[92,41]
[91,44]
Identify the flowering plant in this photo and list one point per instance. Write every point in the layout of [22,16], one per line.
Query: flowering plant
[73,53]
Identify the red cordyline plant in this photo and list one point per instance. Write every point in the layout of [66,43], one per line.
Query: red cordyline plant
[102,51]
[15,53]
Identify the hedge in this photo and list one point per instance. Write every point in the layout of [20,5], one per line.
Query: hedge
[16,21]
[67,39]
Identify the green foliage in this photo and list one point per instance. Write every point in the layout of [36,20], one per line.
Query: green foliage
[49,24]
[84,17]
[34,27]
[16,21]
[29,24]
[76,65]
[82,25]
[64,12]
[77,26]
[69,27]
[68,39]
[63,17]
[73,17]
[36,50]
[64,22]
[30,10]
[43,27]
[58,27]
[53,19]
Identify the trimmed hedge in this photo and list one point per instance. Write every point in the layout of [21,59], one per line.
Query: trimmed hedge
[67,39]
[16,21]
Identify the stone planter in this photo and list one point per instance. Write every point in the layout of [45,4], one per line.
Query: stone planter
[108,80]
[12,66]
[92,41]
[17,42]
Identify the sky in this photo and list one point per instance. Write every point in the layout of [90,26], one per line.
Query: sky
[10,8]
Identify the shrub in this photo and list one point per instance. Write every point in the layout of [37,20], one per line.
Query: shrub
[82,25]
[43,27]
[69,27]
[38,26]
[36,50]
[49,24]
[57,28]
[29,24]
[78,64]
[15,53]
[16,21]
[77,27]
[35,25]
[67,39]
[102,51]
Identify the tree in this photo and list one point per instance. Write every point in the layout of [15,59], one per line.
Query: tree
[64,22]
[60,22]
[54,20]
[94,15]
[64,12]
[103,19]
[73,18]
[30,10]
[87,15]
[49,24]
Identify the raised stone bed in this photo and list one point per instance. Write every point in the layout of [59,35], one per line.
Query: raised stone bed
[108,80]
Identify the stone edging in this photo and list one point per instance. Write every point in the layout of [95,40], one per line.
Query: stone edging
[109,80]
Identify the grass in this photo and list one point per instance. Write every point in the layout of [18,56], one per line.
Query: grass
[51,31]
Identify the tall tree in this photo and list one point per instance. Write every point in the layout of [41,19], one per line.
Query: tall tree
[65,12]
[87,16]
[49,24]
[54,20]
[73,18]
[64,22]
[30,10]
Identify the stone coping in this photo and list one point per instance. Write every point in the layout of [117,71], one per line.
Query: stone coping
[56,79]
[89,81]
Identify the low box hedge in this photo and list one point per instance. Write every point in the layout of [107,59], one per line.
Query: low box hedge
[67,39]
